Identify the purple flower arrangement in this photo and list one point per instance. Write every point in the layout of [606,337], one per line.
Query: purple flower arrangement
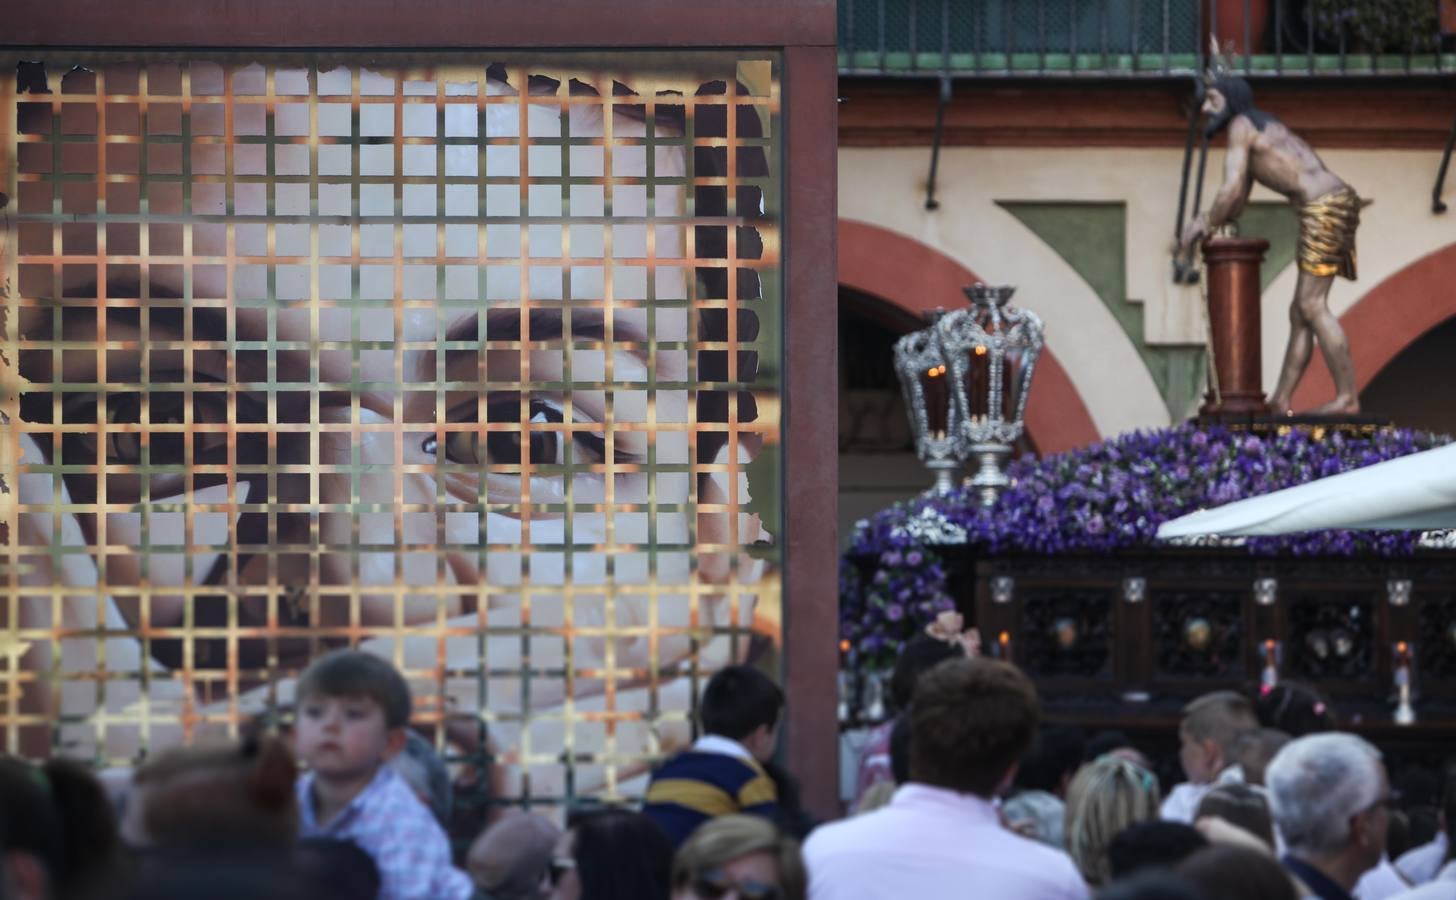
[1106,497]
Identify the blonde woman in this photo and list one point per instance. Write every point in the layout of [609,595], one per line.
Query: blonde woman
[1105,797]
[746,856]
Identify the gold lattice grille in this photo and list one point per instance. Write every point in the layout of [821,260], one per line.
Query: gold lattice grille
[473,363]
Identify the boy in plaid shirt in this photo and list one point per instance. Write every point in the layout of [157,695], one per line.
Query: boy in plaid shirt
[353,709]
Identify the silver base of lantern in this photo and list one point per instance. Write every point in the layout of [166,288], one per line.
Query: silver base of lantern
[990,478]
[945,474]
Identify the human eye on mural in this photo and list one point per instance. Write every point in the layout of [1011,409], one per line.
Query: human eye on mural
[472,364]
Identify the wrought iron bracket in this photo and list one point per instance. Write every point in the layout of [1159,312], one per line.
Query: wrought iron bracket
[1436,205]
[941,104]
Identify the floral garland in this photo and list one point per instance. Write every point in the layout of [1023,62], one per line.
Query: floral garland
[1111,495]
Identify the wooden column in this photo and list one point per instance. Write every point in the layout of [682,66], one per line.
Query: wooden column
[811,567]
[1233,310]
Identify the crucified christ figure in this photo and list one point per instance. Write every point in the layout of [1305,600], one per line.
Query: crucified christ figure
[1262,149]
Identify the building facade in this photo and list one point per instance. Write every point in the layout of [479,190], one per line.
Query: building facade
[1024,158]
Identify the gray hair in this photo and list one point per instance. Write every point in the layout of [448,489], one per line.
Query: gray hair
[1316,783]
[1045,812]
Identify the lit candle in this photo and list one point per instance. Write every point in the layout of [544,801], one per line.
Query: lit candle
[1405,714]
[1270,676]
[936,402]
[979,386]
[1003,642]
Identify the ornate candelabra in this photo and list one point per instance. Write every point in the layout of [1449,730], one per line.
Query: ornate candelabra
[921,365]
[966,380]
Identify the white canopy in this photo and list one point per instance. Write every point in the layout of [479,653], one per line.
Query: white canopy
[1415,492]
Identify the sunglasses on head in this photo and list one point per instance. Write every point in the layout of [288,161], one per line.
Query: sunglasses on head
[713,884]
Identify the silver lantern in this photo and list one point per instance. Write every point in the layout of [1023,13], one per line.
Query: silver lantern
[924,377]
[966,379]
[993,348]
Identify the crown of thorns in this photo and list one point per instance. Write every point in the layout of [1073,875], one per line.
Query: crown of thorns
[1218,61]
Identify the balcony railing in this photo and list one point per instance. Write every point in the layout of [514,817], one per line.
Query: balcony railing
[1145,38]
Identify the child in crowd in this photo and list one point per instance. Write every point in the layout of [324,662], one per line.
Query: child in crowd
[1243,805]
[1211,725]
[1107,796]
[723,771]
[1295,709]
[1254,749]
[353,709]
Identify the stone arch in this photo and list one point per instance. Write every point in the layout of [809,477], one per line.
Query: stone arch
[1387,320]
[918,278]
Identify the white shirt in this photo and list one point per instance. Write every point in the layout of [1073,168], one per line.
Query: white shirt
[934,844]
[1380,883]
[1422,863]
[395,827]
[716,743]
[1182,801]
[1442,888]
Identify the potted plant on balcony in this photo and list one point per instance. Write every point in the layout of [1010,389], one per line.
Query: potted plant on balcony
[1383,26]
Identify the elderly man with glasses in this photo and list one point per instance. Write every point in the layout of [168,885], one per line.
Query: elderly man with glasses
[1329,795]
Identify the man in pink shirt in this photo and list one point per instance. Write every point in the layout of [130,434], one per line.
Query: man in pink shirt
[941,837]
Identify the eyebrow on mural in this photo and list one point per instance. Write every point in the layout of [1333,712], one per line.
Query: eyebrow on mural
[542,324]
[209,323]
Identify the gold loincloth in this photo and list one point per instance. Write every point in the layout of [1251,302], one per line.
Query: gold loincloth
[1327,234]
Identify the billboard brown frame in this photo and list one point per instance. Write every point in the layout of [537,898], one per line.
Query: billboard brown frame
[804,30]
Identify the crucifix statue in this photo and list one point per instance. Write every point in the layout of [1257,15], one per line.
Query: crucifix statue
[1263,149]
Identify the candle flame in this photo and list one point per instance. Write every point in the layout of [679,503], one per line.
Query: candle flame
[1400,647]
[980,351]
[1004,638]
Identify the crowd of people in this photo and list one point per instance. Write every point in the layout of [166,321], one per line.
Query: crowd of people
[963,793]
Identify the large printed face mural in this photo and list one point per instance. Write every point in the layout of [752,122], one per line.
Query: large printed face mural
[472,364]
